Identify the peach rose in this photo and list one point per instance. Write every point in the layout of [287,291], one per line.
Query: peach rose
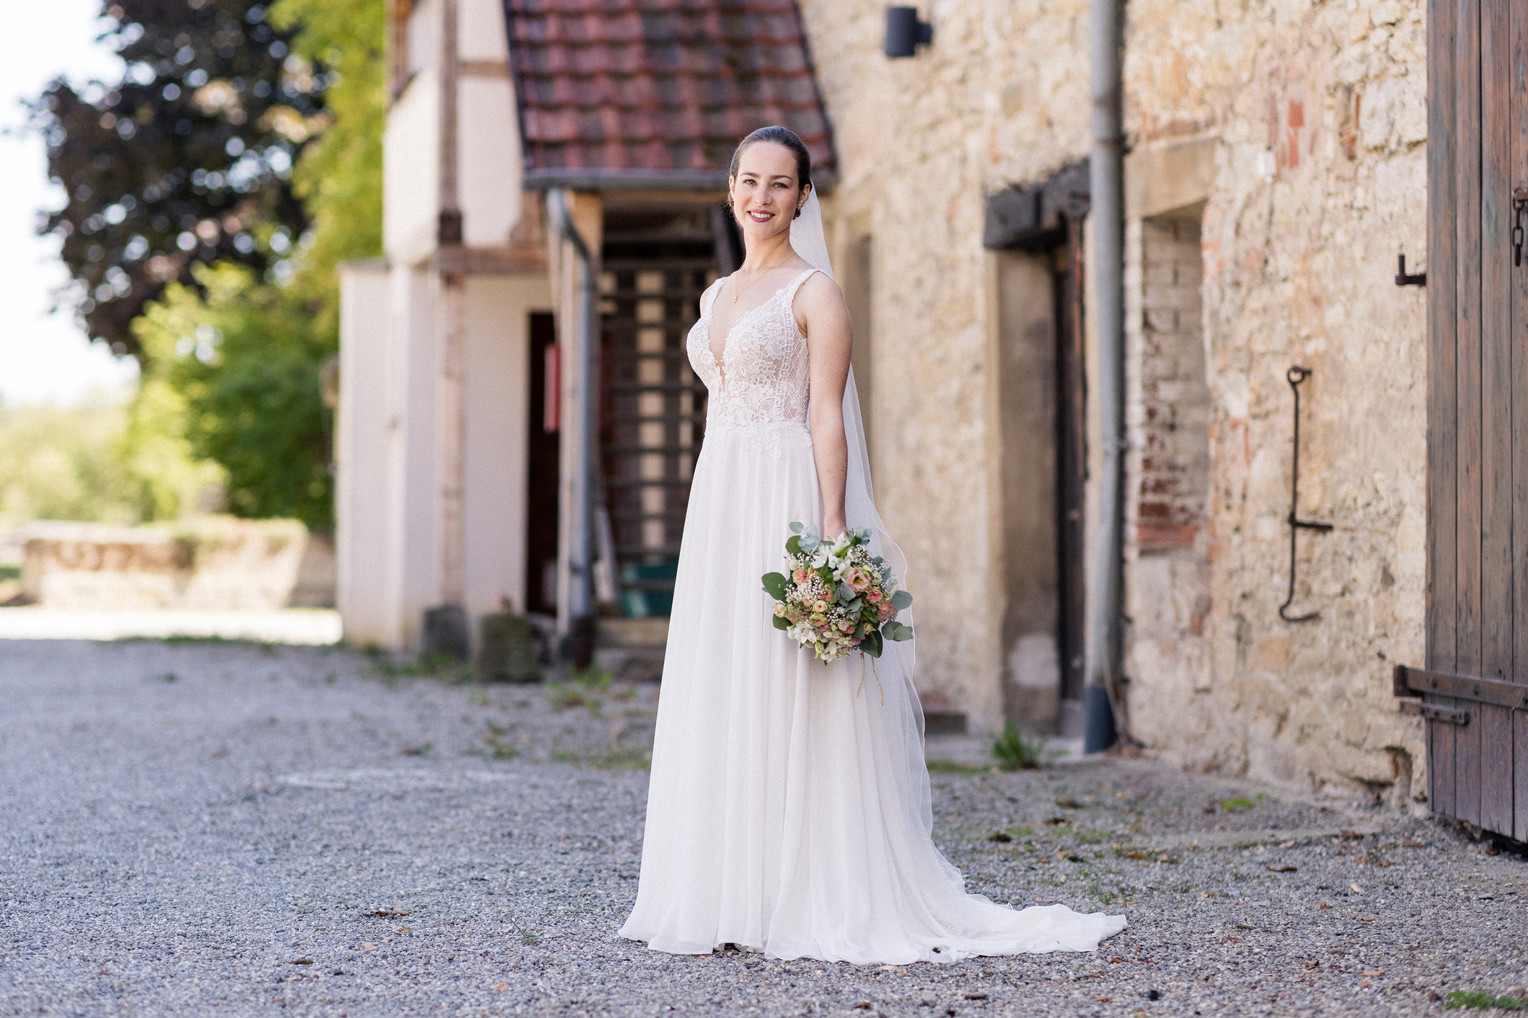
[857,579]
[874,597]
[800,576]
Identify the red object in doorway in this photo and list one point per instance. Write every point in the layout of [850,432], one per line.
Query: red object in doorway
[552,393]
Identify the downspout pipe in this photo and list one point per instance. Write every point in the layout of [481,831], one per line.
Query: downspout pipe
[1107,184]
[579,625]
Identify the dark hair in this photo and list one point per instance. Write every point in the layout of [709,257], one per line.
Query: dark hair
[780,136]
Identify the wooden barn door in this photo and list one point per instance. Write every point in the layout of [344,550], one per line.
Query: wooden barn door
[1475,687]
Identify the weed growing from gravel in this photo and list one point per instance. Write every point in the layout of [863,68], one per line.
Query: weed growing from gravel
[1237,803]
[951,767]
[499,742]
[1477,999]
[1016,751]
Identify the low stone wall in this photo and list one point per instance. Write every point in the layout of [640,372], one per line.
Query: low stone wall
[213,564]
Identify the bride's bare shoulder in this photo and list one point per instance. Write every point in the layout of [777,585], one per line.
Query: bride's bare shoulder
[819,290]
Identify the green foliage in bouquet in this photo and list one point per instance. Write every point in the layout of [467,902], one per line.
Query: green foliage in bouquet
[836,597]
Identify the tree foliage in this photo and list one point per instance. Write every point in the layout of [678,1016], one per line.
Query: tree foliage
[186,160]
[243,359]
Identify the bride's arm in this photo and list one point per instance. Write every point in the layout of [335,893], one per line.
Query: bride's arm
[824,318]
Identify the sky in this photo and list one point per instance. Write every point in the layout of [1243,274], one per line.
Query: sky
[44,358]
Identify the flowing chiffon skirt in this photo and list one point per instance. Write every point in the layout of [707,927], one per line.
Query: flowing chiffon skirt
[788,810]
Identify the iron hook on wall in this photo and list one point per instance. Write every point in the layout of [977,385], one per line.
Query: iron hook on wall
[1295,376]
[1404,278]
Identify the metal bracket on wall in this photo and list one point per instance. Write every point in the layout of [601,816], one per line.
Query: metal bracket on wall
[1295,376]
[1404,278]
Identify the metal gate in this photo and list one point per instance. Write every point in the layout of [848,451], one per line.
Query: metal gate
[1474,690]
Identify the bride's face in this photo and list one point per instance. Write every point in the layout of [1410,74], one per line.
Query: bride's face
[765,192]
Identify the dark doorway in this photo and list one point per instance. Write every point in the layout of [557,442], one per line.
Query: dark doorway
[544,472]
[1041,406]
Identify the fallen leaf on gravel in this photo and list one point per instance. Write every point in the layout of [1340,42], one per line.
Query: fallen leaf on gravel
[1323,906]
[1187,944]
[1413,843]
[1350,835]
[1104,1000]
[1355,889]
[1056,822]
[1313,964]
[1282,869]
[501,987]
[1134,854]
[1364,918]
[1001,837]
[976,995]
[863,1005]
[1116,960]
[1069,804]
[404,931]
[1244,926]
[1234,940]
[301,961]
[1287,844]
[368,947]
[1374,972]
[384,913]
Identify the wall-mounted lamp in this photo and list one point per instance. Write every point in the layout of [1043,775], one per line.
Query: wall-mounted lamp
[905,33]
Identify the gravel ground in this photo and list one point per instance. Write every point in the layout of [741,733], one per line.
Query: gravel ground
[230,829]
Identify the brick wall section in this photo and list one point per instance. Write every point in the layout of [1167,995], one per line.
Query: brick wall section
[1175,397]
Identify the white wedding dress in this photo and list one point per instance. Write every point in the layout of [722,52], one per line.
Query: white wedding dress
[788,809]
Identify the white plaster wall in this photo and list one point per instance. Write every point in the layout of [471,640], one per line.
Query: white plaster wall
[362,512]
[410,171]
[489,174]
[498,379]
[480,31]
[413,557]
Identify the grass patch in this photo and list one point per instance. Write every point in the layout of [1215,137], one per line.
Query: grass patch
[1238,803]
[1016,751]
[499,743]
[951,767]
[1476,999]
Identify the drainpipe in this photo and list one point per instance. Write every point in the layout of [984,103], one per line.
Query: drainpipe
[1106,172]
[575,622]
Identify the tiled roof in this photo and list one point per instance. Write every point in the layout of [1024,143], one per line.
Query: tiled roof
[654,91]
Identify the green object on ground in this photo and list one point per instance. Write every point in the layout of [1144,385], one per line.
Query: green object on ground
[1016,751]
[506,649]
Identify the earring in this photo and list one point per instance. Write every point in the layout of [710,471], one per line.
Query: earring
[798,213]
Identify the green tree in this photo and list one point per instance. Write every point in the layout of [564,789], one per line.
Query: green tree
[187,160]
[243,359]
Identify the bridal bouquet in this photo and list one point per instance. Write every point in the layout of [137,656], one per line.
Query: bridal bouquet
[836,597]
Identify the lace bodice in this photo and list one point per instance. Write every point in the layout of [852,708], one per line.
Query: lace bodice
[763,376]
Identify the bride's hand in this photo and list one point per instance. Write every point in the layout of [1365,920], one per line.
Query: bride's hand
[833,527]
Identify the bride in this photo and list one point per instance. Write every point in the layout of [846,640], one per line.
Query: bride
[788,810]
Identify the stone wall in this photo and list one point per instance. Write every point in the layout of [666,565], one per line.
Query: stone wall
[1316,119]
[1289,138]
[1000,96]
[219,564]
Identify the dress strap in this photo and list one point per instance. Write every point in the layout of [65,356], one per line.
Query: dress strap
[708,296]
[793,286]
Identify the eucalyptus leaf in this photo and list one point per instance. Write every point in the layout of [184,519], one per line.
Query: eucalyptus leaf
[897,631]
[775,585]
[871,644]
[901,599]
[853,605]
[796,528]
[793,546]
[810,536]
[780,622]
[845,592]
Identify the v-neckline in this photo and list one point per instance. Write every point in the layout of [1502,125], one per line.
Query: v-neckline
[720,360]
